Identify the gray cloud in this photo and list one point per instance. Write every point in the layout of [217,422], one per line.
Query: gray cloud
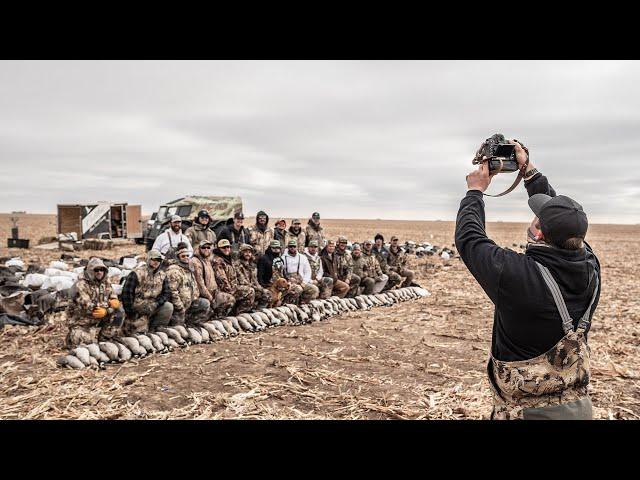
[351,139]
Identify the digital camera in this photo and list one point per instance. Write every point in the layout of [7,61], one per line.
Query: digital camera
[500,155]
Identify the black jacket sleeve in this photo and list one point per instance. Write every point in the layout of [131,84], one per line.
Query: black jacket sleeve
[265,271]
[539,184]
[484,259]
[165,293]
[129,291]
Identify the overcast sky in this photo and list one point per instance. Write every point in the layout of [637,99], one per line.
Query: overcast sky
[367,139]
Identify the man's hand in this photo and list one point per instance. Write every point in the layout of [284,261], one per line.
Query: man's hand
[479,179]
[521,155]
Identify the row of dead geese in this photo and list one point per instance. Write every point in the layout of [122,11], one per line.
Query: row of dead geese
[169,338]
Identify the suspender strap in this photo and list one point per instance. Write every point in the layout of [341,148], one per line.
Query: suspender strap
[585,321]
[567,321]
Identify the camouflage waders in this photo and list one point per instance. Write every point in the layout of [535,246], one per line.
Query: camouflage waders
[307,291]
[551,386]
[245,297]
[148,316]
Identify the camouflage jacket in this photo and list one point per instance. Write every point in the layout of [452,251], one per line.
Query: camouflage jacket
[204,276]
[226,275]
[382,256]
[344,265]
[149,285]
[359,266]
[182,283]
[315,262]
[197,233]
[87,293]
[300,238]
[372,266]
[312,232]
[260,239]
[246,272]
[396,260]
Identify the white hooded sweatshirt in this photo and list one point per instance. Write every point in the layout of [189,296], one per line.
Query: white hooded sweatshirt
[297,264]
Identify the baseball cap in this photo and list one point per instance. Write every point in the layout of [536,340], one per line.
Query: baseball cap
[313,243]
[394,238]
[175,218]
[204,242]
[342,239]
[315,215]
[154,255]
[295,220]
[203,213]
[368,242]
[275,244]
[246,246]
[223,243]
[292,243]
[239,215]
[562,217]
[356,246]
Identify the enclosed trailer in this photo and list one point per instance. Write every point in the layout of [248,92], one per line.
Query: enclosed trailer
[100,220]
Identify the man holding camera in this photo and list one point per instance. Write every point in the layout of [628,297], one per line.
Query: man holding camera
[544,299]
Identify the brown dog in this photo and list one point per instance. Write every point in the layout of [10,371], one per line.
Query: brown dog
[277,289]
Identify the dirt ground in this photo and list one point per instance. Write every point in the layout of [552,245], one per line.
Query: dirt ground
[415,360]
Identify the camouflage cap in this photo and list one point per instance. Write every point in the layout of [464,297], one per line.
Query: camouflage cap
[394,238]
[367,242]
[275,244]
[331,242]
[356,246]
[223,243]
[313,243]
[154,255]
[316,215]
[245,246]
[342,239]
[176,218]
[205,242]
[295,220]
[292,243]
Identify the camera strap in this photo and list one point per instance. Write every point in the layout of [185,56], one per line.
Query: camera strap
[520,176]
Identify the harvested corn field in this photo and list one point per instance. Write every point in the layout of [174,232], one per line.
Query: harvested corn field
[419,359]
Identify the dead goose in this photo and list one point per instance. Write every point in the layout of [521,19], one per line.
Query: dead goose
[132,344]
[110,350]
[164,338]
[258,320]
[214,334]
[265,319]
[234,322]
[220,327]
[182,331]
[174,335]
[145,342]
[194,335]
[70,361]
[124,354]
[83,355]
[244,325]
[95,352]
[157,342]
[269,314]
[204,333]
[228,326]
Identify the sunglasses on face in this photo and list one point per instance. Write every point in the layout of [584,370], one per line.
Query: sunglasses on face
[205,248]
[224,248]
[183,255]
